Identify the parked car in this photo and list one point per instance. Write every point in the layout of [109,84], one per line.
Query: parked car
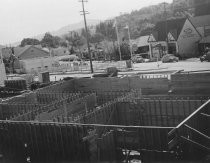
[169,58]
[138,59]
[205,57]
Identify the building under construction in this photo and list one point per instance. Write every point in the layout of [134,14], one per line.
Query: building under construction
[146,118]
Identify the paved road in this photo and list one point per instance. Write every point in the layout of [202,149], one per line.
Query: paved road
[188,65]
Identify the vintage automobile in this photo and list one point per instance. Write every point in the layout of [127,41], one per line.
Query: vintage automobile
[205,57]
[169,58]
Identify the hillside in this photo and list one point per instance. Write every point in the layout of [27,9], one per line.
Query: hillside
[142,21]
[72,27]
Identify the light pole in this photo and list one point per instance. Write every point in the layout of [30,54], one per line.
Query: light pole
[118,41]
[129,37]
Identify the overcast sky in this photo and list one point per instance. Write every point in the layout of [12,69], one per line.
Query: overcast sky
[27,18]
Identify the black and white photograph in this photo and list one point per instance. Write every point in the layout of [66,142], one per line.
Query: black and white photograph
[104,81]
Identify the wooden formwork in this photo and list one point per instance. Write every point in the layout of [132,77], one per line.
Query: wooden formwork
[148,86]
[140,112]
[155,112]
[192,135]
[12,107]
[153,119]
[45,139]
[147,124]
[8,111]
[176,97]
[60,87]
[64,107]
[44,142]
[98,111]
[47,98]
[191,84]
[26,98]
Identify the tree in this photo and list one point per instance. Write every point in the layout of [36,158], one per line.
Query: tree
[29,41]
[75,40]
[107,29]
[50,41]
[125,51]
[12,59]
[96,38]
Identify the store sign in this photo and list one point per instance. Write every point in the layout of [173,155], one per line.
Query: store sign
[187,33]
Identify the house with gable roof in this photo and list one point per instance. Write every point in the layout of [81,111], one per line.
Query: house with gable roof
[183,35]
[202,25]
[29,59]
[166,32]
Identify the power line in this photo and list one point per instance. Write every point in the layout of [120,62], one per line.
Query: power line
[86,29]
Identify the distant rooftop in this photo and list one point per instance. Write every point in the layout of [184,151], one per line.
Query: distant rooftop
[200,21]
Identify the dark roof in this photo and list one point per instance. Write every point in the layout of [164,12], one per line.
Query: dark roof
[173,25]
[200,21]
[18,50]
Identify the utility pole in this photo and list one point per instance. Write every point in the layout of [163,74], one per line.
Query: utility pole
[118,41]
[86,29]
[166,26]
[129,37]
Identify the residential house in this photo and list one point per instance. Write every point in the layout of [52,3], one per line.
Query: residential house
[166,32]
[202,25]
[29,59]
[188,40]
[142,46]
[183,35]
